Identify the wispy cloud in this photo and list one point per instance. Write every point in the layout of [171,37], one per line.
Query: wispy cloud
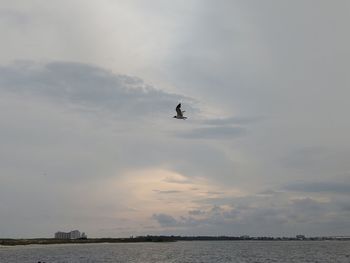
[87,86]
[167,191]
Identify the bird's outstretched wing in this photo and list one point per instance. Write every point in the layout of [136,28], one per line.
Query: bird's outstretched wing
[178,110]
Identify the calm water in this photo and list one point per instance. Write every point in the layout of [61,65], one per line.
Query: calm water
[182,252]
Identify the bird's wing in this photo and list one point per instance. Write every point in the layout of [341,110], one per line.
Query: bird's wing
[178,110]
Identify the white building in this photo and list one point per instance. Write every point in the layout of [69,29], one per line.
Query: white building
[75,234]
[62,235]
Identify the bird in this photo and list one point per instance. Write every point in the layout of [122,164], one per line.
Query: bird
[179,113]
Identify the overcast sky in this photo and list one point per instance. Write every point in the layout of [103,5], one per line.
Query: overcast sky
[88,90]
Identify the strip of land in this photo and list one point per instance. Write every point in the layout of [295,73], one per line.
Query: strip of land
[49,241]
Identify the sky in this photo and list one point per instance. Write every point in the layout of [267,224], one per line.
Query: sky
[88,91]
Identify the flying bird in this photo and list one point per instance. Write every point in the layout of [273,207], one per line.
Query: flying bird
[179,113]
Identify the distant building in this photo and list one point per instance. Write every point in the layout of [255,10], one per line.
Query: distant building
[300,237]
[83,236]
[62,235]
[75,234]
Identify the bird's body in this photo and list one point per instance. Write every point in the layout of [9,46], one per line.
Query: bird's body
[179,113]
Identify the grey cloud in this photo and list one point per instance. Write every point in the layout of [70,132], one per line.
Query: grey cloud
[306,157]
[343,202]
[88,87]
[232,121]
[177,181]
[216,209]
[196,212]
[213,58]
[265,215]
[40,135]
[13,17]
[183,156]
[320,187]
[241,55]
[165,220]
[167,191]
[183,222]
[214,193]
[307,204]
[220,128]
[219,218]
[260,218]
[308,210]
[268,193]
[219,132]
[318,168]
[282,60]
[91,89]
[215,201]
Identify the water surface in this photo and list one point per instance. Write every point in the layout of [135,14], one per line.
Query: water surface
[182,252]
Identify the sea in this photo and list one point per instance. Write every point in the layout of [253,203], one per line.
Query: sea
[183,252]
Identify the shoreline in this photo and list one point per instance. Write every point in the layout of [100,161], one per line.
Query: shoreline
[52,241]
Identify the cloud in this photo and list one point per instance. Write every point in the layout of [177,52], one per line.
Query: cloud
[196,212]
[167,191]
[319,187]
[12,17]
[309,204]
[343,202]
[177,180]
[307,157]
[91,89]
[232,120]
[81,105]
[87,86]
[75,128]
[219,132]
[319,167]
[165,220]
[266,139]
[271,214]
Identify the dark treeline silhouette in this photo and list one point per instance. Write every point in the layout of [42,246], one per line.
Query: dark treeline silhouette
[161,238]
